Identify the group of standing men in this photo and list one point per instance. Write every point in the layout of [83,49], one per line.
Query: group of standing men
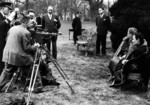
[103,25]
[16,47]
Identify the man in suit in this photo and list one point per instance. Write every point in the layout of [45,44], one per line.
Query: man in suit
[16,52]
[5,21]
[77,26]
[103,24]
[51,24]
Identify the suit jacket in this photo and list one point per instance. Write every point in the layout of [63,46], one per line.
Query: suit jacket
[3,33]
[76,25]
[50,25]
[103,24]
[18,46]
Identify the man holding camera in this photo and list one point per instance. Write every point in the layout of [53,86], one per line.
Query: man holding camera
[16,52]
[5,20]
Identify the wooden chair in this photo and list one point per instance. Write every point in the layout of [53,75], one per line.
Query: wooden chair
[70,30]
[82,41]
[88,42]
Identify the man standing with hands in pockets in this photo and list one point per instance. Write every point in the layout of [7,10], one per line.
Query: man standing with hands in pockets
[103,24]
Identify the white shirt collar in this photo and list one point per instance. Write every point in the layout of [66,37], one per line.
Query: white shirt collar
[50,16]
[102,15]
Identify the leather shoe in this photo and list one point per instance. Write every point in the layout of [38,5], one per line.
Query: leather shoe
[113,84]
[111,78]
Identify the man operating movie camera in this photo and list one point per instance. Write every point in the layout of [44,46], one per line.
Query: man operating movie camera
[18,52]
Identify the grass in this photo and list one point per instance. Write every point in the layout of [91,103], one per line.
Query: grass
[87,74]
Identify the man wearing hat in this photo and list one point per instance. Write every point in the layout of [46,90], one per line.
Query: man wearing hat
[5,18]
[77,26]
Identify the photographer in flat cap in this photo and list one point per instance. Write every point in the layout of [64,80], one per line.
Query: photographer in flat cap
[5,19]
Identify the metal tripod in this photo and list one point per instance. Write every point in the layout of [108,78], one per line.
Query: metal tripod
[60,70]
[34,74]
[36,68]
[36,65]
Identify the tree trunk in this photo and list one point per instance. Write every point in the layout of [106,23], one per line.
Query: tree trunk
[27,4]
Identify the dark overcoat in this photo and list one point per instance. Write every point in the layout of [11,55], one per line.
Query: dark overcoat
[4,27]
[103,24]
[77,26]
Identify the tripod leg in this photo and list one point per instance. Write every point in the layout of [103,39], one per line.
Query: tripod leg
[33,77]
[10,82]
[31,83]
[54,62]
[18,74]
[31,87]
[58,68]
[27,79]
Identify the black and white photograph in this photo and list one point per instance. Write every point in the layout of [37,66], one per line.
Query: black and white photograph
[74,52]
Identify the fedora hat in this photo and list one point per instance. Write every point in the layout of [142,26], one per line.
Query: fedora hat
[6,4]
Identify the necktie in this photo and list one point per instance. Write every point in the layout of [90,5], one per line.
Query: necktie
[50,17]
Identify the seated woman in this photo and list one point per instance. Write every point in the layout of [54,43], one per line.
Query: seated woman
[136,50]
[114,64]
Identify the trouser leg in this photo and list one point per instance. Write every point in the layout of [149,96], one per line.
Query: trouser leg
[98,44]
[45,71]
[49,45]
[103,44]
[1,55]
[7,74]
[75,38]
[54,47]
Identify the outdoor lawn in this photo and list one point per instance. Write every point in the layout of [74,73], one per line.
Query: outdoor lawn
[87,76]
